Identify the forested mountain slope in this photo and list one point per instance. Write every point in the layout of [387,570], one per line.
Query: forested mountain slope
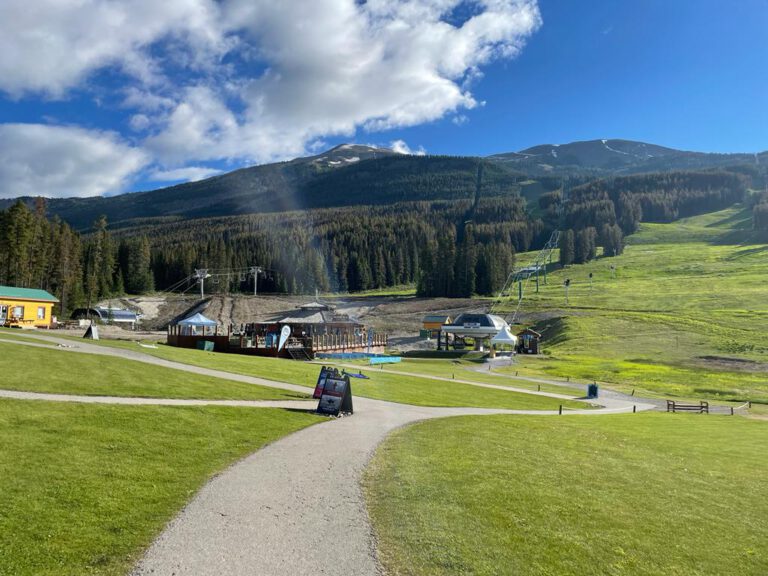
[355,175]
[614,157]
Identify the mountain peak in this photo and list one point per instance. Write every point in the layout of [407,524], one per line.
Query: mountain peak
[345,154]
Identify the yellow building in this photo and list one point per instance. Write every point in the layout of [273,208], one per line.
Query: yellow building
[433,324]
[26,307]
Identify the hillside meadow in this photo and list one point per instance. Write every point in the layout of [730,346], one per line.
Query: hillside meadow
[684,313]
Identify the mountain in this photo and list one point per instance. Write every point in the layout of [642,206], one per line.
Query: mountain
[613,157]
[347,175]
[264,188]
[352,175]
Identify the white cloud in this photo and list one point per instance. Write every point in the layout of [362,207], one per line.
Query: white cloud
[63,161]
[139,122]
[188,174]
[295,72]
[335,66]
[52,45]
[401,147]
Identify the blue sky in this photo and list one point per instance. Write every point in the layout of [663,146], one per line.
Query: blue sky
[681,73]
[104,97]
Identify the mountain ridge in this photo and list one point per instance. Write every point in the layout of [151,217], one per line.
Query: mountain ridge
[606,157]
[357,174]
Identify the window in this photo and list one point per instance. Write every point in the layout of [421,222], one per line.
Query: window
[17,312]
[41,312]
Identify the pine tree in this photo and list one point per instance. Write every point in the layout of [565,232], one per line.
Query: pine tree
[464,269]
[567,247]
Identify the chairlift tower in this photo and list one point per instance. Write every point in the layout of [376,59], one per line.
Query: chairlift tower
[255,271]
[201,274]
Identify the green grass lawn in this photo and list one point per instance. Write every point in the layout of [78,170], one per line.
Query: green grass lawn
[651,494]
[685,315]
[474,371]
[84,488]
[60,371]
[382,385]
[17,335]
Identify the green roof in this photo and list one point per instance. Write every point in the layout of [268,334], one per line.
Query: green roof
[26,294]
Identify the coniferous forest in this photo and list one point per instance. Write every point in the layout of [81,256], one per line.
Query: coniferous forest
[452,245]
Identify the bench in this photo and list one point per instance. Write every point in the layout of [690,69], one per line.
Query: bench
[702,407]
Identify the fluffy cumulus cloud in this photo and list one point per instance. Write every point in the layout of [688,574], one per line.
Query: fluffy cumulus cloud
[52,46]
[36,159]
[401,147]
[257,80]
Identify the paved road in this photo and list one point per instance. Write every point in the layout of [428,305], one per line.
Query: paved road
[296,506]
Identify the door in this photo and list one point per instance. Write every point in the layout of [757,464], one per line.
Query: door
[3,313]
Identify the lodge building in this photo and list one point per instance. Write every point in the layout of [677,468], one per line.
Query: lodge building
[311,329]
[26,307]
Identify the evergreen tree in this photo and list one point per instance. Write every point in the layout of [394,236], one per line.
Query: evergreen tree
[612,240]
[138,275]
[567,248]
[464,269]
[585,244]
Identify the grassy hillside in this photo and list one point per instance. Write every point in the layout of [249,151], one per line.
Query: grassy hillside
[650,494]
[685,314]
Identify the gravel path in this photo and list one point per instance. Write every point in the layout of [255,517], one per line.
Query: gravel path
[133,401]
[295,507]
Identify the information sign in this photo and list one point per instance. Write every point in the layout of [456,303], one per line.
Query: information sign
[324,372]
[336,395]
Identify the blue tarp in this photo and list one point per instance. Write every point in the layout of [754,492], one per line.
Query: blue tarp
[197,320]
[385,360]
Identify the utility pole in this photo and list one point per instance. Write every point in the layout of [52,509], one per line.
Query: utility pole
[201,274]
[256,270]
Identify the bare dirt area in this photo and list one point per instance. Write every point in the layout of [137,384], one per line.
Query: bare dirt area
[112,333]
[729,363]
[399,316]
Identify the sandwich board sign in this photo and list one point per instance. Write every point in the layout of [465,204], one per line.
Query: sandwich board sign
[92,333]
[324,373]
[336,393]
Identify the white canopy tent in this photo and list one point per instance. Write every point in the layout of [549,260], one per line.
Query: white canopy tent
[505,337]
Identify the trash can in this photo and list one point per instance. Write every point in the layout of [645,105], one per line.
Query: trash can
[206,345]
[592,390]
